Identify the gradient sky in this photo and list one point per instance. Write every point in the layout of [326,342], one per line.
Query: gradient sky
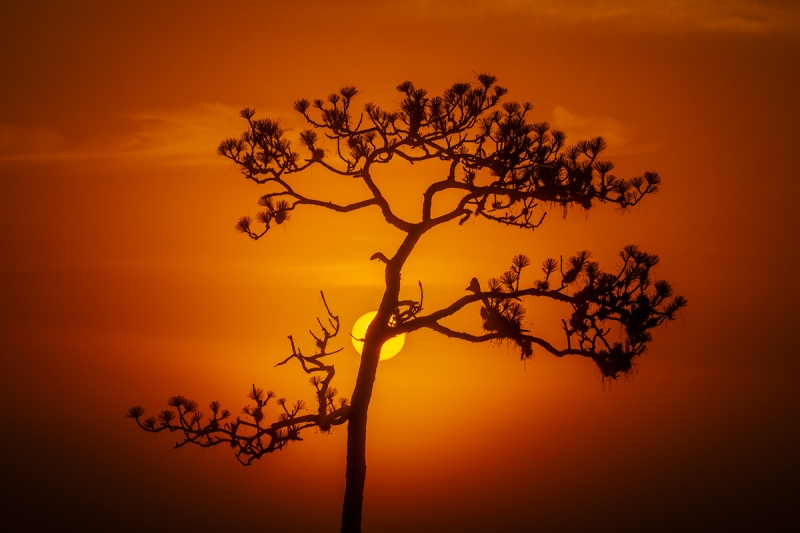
[124,283]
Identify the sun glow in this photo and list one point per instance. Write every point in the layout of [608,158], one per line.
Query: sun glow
[390,348]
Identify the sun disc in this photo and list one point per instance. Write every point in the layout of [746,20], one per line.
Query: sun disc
[390,348]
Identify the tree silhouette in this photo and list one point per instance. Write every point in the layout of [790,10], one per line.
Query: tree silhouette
[504,169]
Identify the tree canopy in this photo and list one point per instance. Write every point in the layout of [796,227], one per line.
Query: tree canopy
[502,168]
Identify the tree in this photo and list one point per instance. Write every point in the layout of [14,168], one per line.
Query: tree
[504,169]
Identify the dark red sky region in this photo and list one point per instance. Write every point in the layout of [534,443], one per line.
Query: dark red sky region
[122,281]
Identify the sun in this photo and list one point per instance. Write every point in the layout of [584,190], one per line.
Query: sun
[390,348]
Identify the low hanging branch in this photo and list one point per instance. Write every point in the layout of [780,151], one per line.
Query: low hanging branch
[249,435]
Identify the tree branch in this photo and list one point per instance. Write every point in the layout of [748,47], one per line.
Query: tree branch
[631,299]
[454,334]
[248,436]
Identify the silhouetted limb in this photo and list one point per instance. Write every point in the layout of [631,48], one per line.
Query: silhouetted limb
[249,436]
[629,298]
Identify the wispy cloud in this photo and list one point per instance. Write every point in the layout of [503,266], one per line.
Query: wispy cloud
[182,136]
[185,135]
[738,16]
[584,127]
[190,136]
[616,133]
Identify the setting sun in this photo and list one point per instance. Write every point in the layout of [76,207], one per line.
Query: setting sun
[391,348]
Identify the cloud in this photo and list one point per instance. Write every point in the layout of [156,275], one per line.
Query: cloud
[617,134]
[190,136]
[737,16]
[178,136]
[580,127]
[184,135]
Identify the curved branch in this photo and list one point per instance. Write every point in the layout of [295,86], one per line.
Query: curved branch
[381,202]
[444,330]
[426,320]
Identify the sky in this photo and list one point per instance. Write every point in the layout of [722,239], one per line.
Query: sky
[124,283]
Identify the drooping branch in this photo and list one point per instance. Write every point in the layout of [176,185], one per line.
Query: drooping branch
[495,336]
[628,303]
[249,435]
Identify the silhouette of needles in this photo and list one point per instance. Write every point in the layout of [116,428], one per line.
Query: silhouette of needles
[506,170]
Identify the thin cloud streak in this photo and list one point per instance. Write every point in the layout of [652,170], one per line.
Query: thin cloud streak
[190,136]
[187,136]
[734,16]
[617,134]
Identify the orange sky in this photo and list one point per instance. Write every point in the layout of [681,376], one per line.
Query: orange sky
[124,283]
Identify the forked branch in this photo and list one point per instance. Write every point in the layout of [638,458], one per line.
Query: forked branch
[506,169]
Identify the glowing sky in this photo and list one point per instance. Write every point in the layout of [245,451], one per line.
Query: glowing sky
[124,283]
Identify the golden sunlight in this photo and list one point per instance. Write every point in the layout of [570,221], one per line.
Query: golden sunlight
[390,348]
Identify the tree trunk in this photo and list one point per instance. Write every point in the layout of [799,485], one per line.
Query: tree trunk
[356,470]
[377,334]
